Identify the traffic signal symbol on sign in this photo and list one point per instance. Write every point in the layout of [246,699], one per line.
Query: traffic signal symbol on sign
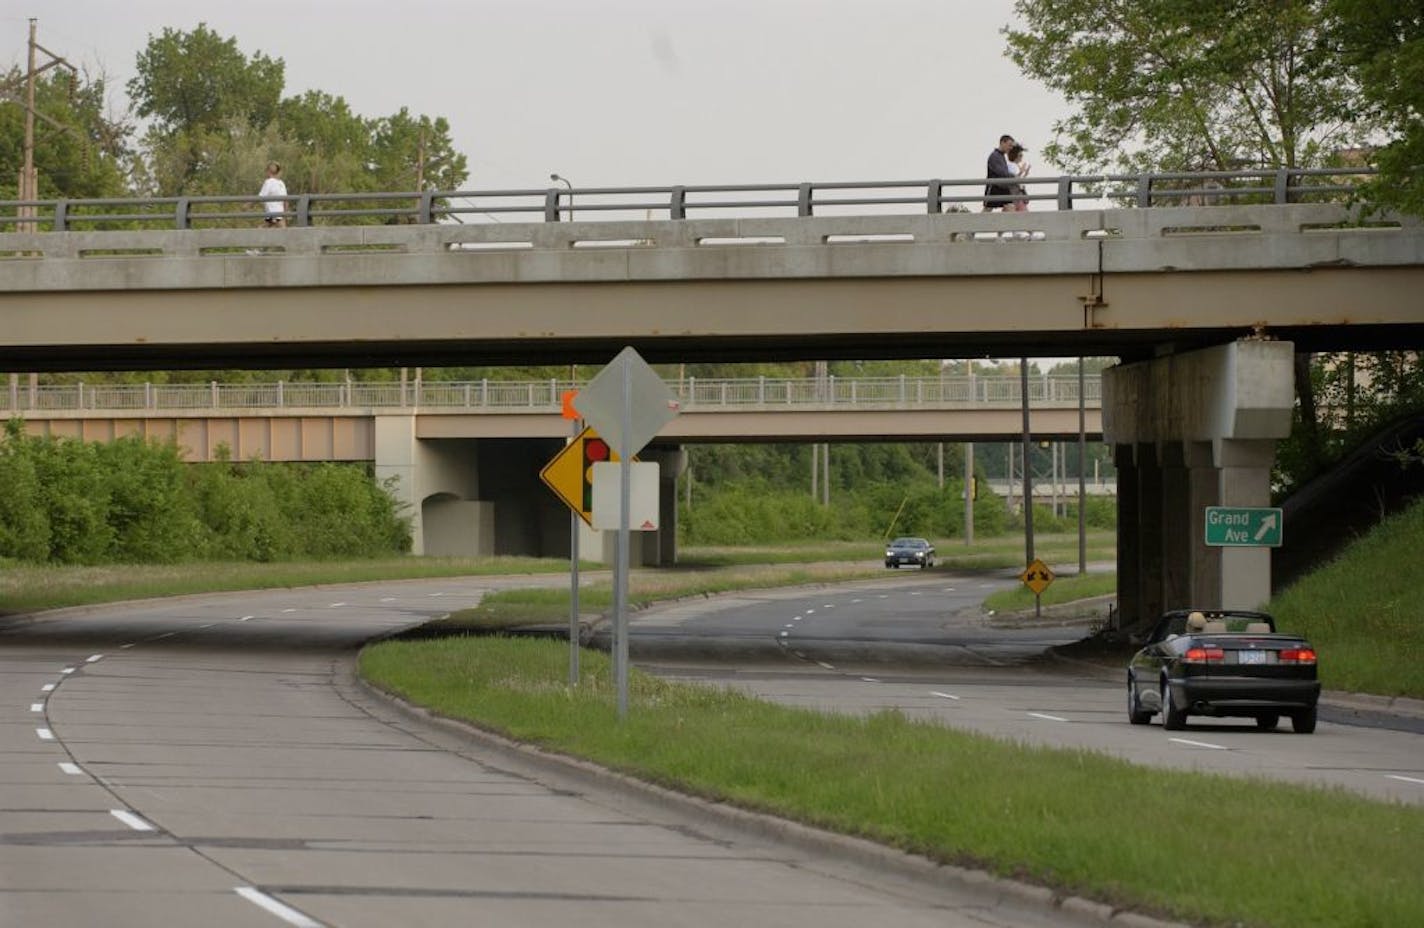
[570,472]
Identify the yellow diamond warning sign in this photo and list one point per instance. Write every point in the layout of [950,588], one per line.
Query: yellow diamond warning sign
[570,473]
[1037,577]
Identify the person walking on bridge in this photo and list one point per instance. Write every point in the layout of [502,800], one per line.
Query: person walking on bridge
[999,167]
[274,186]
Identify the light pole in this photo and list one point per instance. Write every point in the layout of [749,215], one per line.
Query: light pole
[565,181]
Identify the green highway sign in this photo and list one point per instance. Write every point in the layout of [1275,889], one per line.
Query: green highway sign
[1241,526]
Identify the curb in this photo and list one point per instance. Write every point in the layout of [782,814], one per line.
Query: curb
[860,852]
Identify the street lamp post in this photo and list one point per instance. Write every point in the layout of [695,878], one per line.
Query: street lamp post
[565,181]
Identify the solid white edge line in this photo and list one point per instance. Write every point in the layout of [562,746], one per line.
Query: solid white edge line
[45,734]
[943,695]
[1050,718]
[71,769]
[1395,776]
[131,820]
[285,912]
[1199,744]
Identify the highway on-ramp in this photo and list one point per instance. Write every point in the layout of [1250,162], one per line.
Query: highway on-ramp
[211,761]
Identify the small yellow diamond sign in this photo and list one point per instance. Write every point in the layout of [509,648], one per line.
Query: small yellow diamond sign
[1037,577]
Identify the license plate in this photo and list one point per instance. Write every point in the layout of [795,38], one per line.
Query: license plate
[1250,657]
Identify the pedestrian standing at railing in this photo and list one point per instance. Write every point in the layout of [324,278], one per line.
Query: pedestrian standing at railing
[274,186]
[999,167]
[1020,167]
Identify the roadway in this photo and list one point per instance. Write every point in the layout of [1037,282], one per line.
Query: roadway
[212,761]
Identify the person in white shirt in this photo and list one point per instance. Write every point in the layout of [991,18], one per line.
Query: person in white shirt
[274,186]
[1021,169]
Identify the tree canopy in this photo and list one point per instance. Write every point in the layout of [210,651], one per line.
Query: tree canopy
[79,151]
[1190,84]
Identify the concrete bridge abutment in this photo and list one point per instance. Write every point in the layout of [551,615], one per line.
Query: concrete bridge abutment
[1190,431]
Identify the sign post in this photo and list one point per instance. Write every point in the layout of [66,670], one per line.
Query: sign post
[627,402]
[1037,576]
[572,414]
[1244,527]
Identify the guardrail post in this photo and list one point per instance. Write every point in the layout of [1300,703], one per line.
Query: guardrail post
[1144,190]
[180,214]
[61,215]
[303,216]
[484,392]
[147,395]
[691,392]
[677,205]
[213,393]
[79,396]
[426,214]
[551,204]
[932,197]
[281,396]
[1065,193]
[902,389]
[761,391]
[467,394]
[803,200]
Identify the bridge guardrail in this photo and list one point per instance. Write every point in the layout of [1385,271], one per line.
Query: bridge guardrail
[545,396]
[559,204]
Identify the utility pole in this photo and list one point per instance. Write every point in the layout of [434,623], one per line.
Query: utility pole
[29,187]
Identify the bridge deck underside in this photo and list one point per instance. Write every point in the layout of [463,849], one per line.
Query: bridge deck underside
[1127,314]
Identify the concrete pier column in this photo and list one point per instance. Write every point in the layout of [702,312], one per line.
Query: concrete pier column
[1176,520]
[1205,487]
[1151,526]
[395,451]
[1245,480]
[1128,573]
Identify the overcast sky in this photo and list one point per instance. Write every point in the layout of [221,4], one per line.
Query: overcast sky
[625,92]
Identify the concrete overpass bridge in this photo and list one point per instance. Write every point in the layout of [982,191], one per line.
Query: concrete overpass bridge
[1171,289]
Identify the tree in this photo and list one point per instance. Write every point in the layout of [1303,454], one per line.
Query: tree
[1382,43]
[79,151]
[1189,84]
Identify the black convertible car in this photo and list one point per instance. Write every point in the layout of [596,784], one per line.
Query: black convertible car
[1230,663]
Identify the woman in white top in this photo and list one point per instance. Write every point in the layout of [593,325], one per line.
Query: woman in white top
[1017,163]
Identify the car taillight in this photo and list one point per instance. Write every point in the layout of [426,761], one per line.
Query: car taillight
[1298,656]
[1204,655]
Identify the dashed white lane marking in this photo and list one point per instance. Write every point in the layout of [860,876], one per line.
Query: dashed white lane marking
[797,618]
[36,707]
[783,634]
[1199,744]
[93,657]
[45,734]
[1394,776]
[131,820]
[915,592]
[285,912]
[288,610]
[71,769]
[949,589]
[125,647]
[943,695]
[828,605]
[827,666]
[436,594]
[247,618]
[335,605]
[164,635]
[883,596]
[870,679]
[855,600]
[388,599]
[47,688]
[810,611]
[1046,717]
[68,670]
[209,625]
[789,625]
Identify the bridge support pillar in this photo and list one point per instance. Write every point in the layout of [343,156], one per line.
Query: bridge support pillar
[1190,431]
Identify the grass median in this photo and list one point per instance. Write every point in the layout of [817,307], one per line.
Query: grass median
[1186,845]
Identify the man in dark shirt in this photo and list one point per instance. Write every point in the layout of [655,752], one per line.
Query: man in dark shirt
[999,167]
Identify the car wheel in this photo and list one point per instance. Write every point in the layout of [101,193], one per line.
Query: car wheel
[1268,721]
[1173,719]
[1303,721]
[1135,713]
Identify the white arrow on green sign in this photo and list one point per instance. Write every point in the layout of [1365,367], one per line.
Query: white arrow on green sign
[1243,526]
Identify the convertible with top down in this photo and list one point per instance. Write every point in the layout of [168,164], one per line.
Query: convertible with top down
[1223,663]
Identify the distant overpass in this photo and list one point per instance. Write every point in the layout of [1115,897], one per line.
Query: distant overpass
[336,421]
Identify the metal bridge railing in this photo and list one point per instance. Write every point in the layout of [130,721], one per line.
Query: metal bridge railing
[759,394]
[556,204]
